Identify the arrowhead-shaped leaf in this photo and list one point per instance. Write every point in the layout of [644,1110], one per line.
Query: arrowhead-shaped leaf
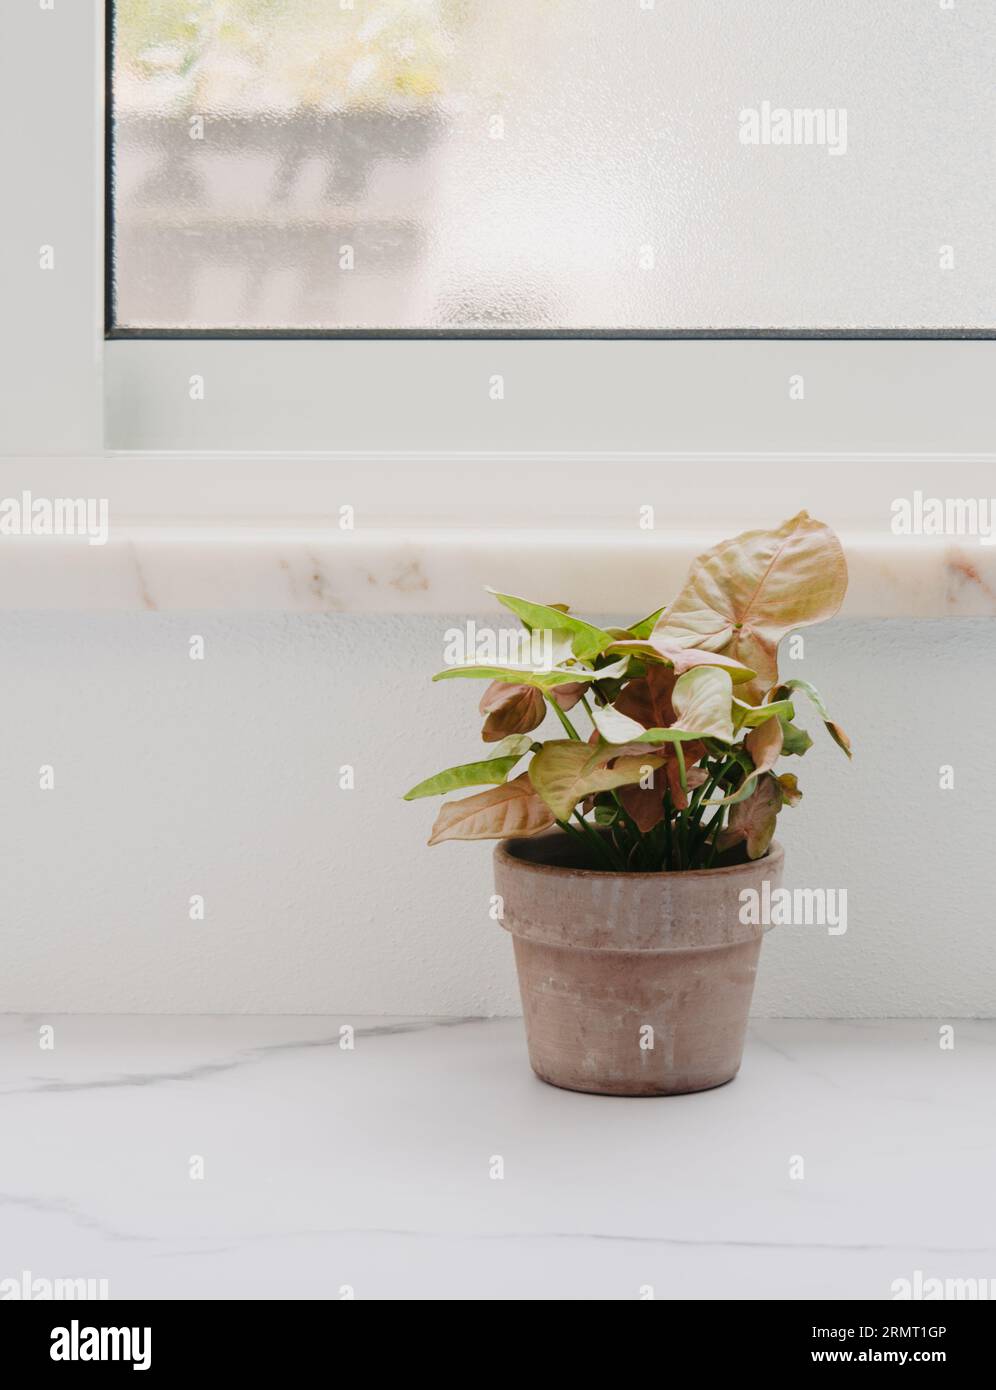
[495,769]
[511,709]
[703,701]
[645,804]
[750,716]
[564,772]
[587,641]
[511,809]
[648,698]
[646,625]
[754,820]
[745,594]
[764,744]
[681,658]
[517,675]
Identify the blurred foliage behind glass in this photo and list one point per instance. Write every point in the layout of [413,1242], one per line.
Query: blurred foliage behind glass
[174,56]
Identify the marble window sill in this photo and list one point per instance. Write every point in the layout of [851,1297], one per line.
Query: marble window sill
[443,569]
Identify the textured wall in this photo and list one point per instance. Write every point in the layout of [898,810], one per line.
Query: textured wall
[219,777]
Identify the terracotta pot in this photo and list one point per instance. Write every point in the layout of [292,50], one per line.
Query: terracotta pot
[632,984]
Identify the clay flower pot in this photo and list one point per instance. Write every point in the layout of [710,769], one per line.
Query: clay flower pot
[632,984]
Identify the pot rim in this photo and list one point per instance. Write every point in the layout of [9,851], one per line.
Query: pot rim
[774,855]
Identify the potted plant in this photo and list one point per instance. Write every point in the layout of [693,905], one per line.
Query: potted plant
[627,846]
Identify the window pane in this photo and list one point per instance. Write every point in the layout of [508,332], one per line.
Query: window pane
[554,164]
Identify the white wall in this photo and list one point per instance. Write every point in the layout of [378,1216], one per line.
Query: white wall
[175,777]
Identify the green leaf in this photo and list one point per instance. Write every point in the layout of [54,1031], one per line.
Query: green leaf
[564,772]
[491,771]
[795,740]
[517,675]
[646,625]
[587,641]
[834,730]
[673,736]
[750,716]
[530,675]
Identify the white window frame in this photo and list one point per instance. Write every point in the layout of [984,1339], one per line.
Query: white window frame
[407,431]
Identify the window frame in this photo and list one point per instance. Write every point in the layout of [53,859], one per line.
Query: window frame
[699,425]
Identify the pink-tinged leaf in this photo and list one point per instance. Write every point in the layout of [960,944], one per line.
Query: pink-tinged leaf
[839,737]
[643,805]
[567,696]
[646,804]
[764,744]
[745,594]
[648,699]
[511,709]
[680,657]
[754,820]
[643,801]
[511,809]
[703,702]
[694,776]
[687,658]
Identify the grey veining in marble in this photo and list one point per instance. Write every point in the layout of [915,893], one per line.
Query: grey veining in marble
[372,1172]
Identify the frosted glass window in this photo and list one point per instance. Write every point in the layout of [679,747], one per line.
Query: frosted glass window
[554,165]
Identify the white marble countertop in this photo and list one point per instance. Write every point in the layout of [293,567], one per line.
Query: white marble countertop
[327,1169]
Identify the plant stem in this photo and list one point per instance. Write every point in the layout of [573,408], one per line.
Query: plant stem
[719,772]
[716,826]
[571,731]
[624,816]
[601,844]
[574,832]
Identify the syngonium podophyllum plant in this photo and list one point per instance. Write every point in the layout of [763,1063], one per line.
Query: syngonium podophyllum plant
[686,717]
